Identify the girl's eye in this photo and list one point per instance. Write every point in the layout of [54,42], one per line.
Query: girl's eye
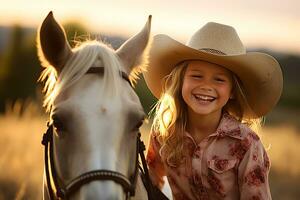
[197,76]
[220,80]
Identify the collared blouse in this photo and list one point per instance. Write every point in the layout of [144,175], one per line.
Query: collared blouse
[228,164]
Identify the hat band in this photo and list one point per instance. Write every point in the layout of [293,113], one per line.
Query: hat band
[213,51]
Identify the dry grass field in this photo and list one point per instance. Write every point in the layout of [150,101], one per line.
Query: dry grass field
[21,157]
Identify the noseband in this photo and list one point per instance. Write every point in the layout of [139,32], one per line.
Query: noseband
[64,192]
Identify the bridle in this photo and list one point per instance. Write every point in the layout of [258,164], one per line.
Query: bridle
[57,191]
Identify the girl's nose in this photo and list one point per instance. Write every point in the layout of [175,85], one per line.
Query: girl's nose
[206,86]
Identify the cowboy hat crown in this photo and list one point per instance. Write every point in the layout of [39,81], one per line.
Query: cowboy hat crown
[221,38]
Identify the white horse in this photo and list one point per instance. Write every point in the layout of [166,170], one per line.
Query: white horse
[94,115]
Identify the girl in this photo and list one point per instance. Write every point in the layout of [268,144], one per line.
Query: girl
[210,91]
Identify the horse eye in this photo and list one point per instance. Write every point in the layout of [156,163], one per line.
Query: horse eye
[139,124]
[57,123]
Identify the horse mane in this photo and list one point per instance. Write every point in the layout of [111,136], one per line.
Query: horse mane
[84,56]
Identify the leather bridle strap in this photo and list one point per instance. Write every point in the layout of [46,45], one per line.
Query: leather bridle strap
[45,141]
[76,183]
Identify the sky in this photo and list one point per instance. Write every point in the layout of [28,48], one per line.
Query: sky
[272,24]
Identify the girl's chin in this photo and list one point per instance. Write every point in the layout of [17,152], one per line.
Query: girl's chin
[204,110]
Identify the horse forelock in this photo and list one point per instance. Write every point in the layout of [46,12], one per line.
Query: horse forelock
[84,57]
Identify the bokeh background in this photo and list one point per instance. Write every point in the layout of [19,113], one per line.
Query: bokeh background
[270,26]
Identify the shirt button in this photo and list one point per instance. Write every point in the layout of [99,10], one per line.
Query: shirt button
[197,179]
[203,142]
[196,155]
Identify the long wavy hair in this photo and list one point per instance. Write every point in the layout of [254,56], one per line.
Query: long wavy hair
[170,119]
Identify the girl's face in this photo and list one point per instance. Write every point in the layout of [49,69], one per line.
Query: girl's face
[206,87]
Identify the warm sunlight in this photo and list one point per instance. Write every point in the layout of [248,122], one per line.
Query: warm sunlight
[269,26]
[264,24]
[167,110]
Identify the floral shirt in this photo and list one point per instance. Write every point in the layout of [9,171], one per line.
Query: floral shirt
[228,164]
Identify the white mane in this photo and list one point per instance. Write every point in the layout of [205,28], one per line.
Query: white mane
[82,59]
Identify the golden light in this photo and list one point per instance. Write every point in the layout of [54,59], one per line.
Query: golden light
[268,24]
[167,111]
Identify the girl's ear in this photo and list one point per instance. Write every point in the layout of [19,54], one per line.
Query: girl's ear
[52,43]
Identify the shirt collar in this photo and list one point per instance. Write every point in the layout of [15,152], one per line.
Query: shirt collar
[228,126]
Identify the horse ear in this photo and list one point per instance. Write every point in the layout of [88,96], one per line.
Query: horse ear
[52,43]
[132,50]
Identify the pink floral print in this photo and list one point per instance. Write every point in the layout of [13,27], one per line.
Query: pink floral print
[229,164]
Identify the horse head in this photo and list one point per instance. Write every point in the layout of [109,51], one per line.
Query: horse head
[95,114]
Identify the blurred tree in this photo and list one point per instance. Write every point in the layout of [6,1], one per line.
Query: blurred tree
[76,33]
[147,99]
[291,84]
[19,68]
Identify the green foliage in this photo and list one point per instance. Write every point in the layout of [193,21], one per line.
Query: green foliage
[291,96]
[290,65]
[147,99]
[19,68]
[19,65]
[75,32]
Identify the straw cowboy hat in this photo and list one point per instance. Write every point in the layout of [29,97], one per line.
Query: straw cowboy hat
[260,73]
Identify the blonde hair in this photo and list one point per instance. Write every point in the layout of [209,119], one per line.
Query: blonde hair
[238,106]
[171,117]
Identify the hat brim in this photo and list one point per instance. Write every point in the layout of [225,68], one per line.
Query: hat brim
[260,73]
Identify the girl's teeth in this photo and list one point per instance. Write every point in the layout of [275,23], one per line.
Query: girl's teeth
[205,98]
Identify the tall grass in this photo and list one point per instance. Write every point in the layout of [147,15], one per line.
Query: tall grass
[283,147]
[21,157]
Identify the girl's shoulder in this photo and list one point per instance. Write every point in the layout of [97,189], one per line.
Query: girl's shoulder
[242,139]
